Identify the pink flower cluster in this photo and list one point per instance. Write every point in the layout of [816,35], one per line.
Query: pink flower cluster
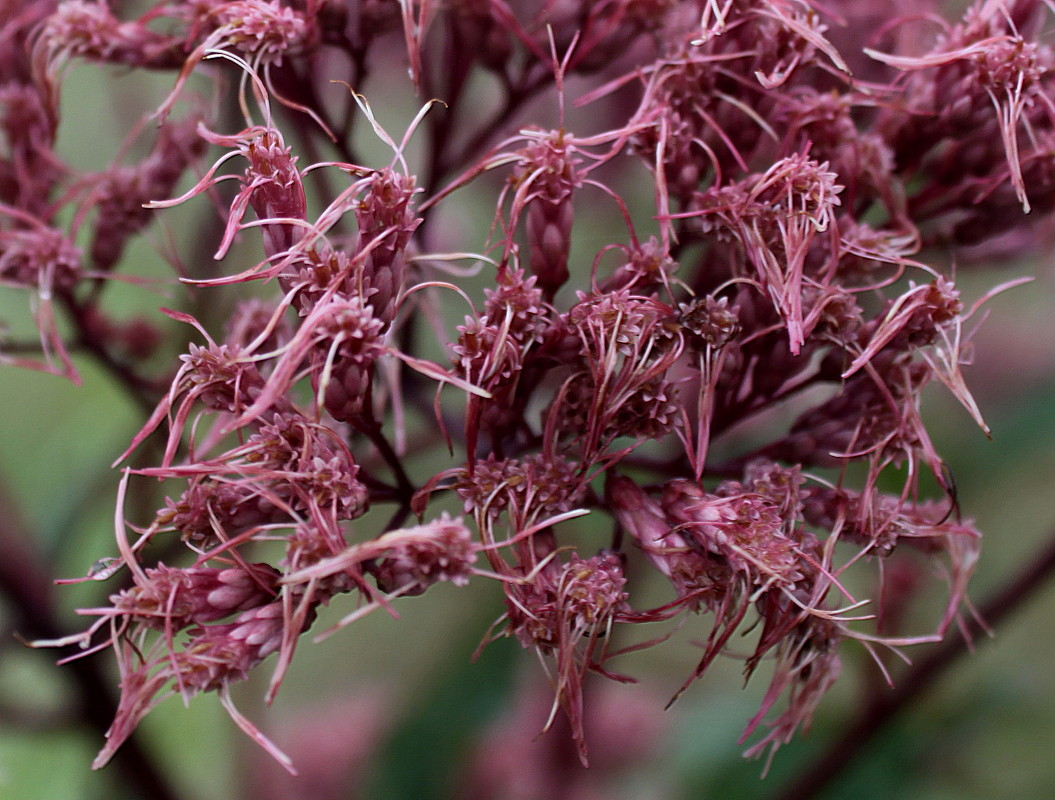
[808,170]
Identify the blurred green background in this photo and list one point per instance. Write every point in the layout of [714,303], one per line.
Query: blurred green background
[401,705]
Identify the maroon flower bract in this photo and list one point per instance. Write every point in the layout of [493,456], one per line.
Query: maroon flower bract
[806,187]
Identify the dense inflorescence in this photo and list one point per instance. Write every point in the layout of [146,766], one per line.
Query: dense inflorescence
[806,184]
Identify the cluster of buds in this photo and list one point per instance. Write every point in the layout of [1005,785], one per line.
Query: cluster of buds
[779,266]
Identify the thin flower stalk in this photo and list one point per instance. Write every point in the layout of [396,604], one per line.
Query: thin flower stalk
[712,257]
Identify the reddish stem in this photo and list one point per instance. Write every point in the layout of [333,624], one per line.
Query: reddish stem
[850,743]
[26,584]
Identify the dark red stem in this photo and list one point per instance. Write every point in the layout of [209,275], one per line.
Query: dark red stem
[850,743]
[26,584]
